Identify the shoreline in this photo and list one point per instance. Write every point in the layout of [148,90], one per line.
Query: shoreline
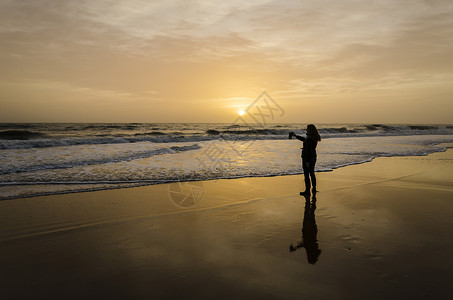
[384,230]
[447,147]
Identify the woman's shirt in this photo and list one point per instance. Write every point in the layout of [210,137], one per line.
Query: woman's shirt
[309,148]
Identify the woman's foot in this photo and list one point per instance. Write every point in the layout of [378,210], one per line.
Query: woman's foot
[305,193]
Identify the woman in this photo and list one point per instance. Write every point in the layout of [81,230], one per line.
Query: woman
[309,156]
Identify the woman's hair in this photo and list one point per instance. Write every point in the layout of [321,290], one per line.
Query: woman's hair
[313,132]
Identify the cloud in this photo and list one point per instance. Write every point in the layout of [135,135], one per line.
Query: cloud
[204,50]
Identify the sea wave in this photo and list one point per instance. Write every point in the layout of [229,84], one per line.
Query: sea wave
[25,136]
[20,135]
[84,161]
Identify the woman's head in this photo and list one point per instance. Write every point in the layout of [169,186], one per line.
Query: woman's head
[313,132]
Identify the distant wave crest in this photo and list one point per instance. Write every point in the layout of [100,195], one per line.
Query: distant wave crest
[25,136]
[20,135]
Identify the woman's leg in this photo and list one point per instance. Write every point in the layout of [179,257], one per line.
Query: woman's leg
[312,175]
[306,176]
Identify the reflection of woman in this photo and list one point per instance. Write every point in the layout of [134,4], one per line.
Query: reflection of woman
[309,156]
[309,232]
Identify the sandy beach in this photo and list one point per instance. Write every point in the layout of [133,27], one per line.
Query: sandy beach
[377,230]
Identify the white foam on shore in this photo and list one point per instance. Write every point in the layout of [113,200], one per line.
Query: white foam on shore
[28,172]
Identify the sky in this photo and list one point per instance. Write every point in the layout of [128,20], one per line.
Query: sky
[324,61]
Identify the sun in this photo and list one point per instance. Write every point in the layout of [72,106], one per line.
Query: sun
[241,112]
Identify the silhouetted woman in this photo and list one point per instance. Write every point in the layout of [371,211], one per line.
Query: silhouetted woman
[309,156]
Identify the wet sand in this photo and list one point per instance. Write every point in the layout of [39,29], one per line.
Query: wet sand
[377,230]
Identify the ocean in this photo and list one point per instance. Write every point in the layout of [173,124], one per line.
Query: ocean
[42,159]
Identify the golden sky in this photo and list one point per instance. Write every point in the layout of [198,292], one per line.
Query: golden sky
[355,61]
